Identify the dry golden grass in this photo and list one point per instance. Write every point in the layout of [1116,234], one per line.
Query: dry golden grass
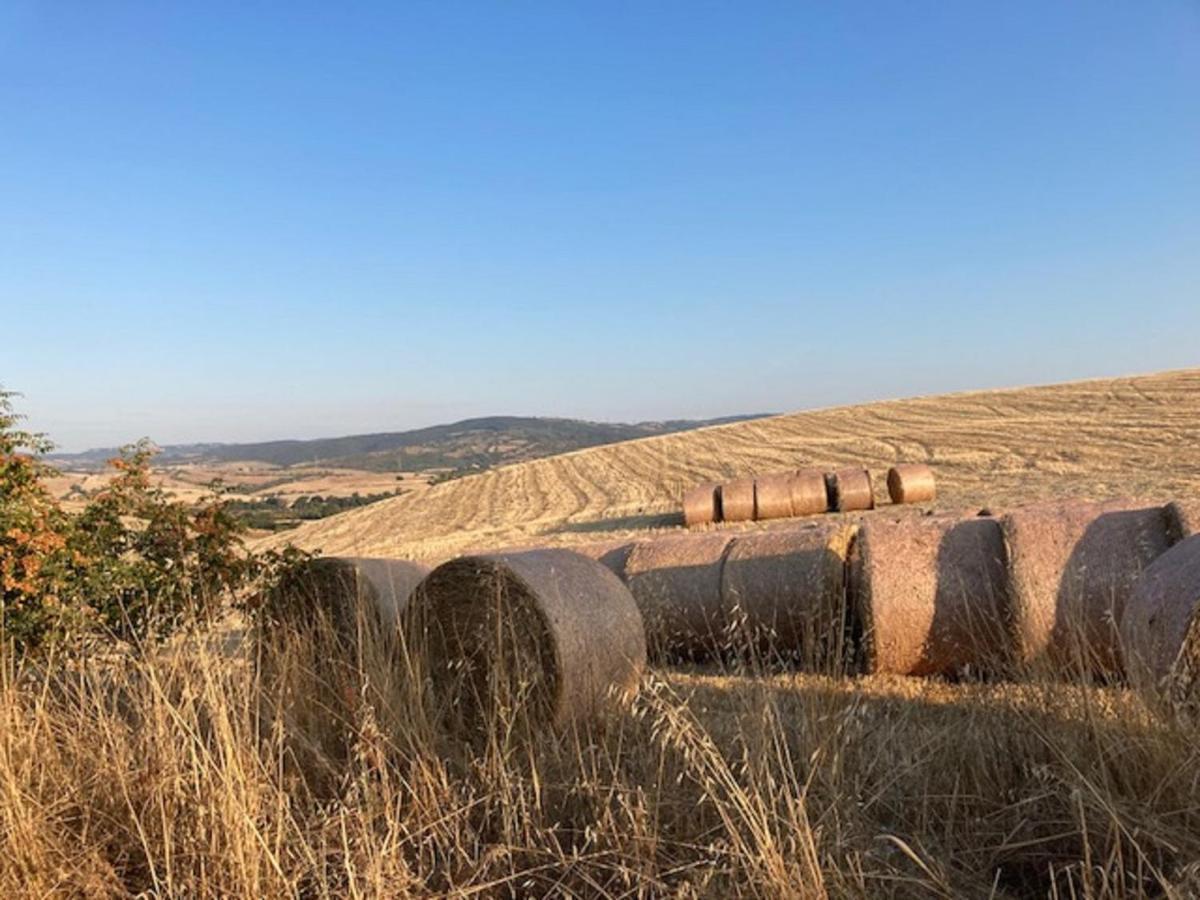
[1135,436]
[198,773]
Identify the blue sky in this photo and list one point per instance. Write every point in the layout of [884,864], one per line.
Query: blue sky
[248,221]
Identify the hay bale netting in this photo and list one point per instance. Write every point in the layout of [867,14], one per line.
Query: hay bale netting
[1160,635]
[911,483]
[536,638]
[784,593]
[346,592]
[676,582]
[1072,567]
[931,595]
[702,504]
[738,503]
[850,490]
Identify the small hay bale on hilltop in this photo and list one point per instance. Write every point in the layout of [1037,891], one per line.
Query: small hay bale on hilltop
[850,490]
[676,582]
[537,638]
[784,594]
[773,496]
[911,483]
[810,495]
[1072,567]
[702,504]
[738,501]
[931,595]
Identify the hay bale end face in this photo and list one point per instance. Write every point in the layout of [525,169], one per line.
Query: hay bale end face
[784,594]
[676,583]
[702,504]
[738,501]
[1072,568]
[850,490]
[545,637]
[346,591]
[911,483]
[931,595]
[1159,630]
[809,493]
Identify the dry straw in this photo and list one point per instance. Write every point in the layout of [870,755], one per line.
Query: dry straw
[810,495]
[1160,617]
[540,637]
[773,496]
[784,593]
[676,582]
[931,595]
[911,483]
[1071,569]
[850,490]
[738,502]
[702,504]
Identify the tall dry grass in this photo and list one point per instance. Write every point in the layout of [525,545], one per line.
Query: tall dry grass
[203,772]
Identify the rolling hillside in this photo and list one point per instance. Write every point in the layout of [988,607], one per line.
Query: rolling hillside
[1125,436]
[470,444]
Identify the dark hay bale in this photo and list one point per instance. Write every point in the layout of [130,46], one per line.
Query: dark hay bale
[611,554]
[1160,620]
[784,594]
[850,490]
[538,638]
[1072,568]
[738,502]
[911,483]
[676,582]
[809,493]
[702,504]
[773,496]
[931,595]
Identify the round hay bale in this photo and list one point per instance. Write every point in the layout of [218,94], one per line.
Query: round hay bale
[346,592]
[536,638]
[611,554]
[738,502]
[676,582]
[1071,569]
[809,493]
[1184,518]
[1159,621]
[911,483]
[784,593]
[773,496]
[850,490]
[702,504]
[931,595]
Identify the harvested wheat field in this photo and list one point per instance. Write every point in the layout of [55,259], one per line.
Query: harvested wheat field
[1123,437]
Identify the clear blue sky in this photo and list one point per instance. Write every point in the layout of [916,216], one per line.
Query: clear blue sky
[249,220]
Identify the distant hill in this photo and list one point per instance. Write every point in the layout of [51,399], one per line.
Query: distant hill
[469,445]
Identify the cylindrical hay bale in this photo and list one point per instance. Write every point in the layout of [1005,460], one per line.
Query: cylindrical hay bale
[809,493]
[773,496]
[738,500]
[541,637]
[784,593]
[1184,518]
[1071,569]
[1160,633]
[676,582]
[911,483]
[702,504]
[931,595]
[346,591]
[850,490]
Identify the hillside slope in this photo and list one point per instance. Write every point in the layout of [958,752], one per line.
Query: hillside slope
[472,443]
[1112,437]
